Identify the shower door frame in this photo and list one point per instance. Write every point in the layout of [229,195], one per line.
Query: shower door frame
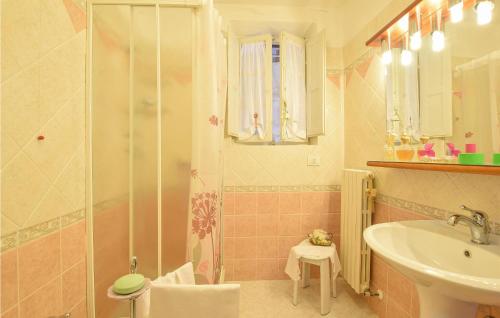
[88,140]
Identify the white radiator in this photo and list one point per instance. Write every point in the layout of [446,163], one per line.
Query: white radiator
[357,207]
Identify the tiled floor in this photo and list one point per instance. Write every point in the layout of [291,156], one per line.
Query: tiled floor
[262,299]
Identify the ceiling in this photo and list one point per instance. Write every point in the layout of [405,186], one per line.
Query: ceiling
[296,3]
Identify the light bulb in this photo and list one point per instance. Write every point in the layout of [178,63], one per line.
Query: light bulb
[404,23]
[457,12]
[387,57]
[416,41]
[484,11]
[406,57]
[437,41]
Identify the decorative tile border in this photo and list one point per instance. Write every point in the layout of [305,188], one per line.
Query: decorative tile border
[36,231]
[22,236]
[8,241]
[418,208]
[289,188]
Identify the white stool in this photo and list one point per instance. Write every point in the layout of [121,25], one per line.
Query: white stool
[325,278]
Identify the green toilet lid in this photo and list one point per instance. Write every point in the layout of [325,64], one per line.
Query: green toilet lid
[128,284]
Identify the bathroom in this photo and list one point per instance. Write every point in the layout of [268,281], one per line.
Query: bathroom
[132,143]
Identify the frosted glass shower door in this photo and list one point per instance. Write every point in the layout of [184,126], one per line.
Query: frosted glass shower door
[125,130]
[140,143]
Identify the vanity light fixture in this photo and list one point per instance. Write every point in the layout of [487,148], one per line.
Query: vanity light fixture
[456,10]
[415,33]
[386,49]
[438,40]
[403,23]
[484,11]
[406,55]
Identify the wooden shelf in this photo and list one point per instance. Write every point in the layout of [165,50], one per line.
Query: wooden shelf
[489,170]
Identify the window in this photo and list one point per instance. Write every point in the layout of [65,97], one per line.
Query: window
[276,90]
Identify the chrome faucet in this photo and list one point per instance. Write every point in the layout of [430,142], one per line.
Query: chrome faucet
[478,224]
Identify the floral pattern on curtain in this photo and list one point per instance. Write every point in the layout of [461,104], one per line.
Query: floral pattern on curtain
[210,87]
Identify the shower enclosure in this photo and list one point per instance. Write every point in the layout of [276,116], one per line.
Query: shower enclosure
[140,69]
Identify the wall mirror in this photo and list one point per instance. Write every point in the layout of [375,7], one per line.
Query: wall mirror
[443,82]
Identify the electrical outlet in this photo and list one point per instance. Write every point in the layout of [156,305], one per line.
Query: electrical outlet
[313,160]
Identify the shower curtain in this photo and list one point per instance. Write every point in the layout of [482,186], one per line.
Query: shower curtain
[209,101]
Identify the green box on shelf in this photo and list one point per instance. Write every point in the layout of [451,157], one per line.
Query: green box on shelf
[496,159]
[471,159]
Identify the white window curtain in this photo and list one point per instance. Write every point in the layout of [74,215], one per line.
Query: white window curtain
[295,91]
[253,90]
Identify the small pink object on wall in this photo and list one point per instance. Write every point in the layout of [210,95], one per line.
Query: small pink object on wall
[470,148]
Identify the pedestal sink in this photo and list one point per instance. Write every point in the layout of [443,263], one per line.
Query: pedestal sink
[451,273]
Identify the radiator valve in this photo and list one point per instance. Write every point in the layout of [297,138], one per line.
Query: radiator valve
[379,293]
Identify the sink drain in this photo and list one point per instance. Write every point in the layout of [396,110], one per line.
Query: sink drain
[467,253]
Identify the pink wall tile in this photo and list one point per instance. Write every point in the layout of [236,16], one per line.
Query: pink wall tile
[11,313]
[381,214]
[245,269]
[45,302]
[335,202]
[309,222]
[229,226]
[246,248]
[268,202]
[379,271]
[267,247]
[245,225]
[267,224]
[8,280]
[289,202]
[229,247]
[73,244]
[80,310]
[415,306]
[285,243]
[289,224]
[39,263]
[268,269]
[229,269]
[246,203]
[399,288]
[229,203]
[334,223]
[315,202]
[73,284]
[394,310]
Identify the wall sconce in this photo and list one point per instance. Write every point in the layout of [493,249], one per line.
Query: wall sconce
[456,10]
[406,55]
[415,32]
[484,11]
[386,51]
[438,39]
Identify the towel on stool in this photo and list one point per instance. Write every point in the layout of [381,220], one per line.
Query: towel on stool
[307,250]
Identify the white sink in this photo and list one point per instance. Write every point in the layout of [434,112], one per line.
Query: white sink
[433,255]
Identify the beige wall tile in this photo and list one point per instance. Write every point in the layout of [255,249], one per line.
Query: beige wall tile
[21,106]
[23,186]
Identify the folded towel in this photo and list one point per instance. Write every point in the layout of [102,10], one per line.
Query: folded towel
[188,301]
[306,249]
[185,274]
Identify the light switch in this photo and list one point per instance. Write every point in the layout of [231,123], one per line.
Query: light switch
[313,160]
